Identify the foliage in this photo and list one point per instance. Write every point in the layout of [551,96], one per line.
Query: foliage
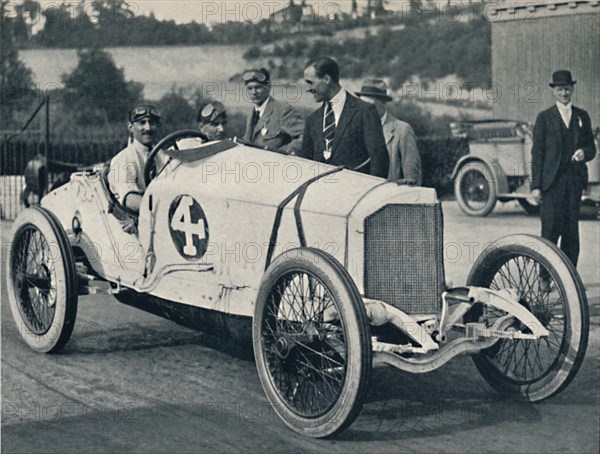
[16,83]
[429,50]
[438,158]
[176,112]
[420,119]
[97,90]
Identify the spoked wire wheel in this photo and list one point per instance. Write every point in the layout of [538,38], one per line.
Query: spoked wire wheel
[312,342]
[41,281]
[548,285]
[474,189]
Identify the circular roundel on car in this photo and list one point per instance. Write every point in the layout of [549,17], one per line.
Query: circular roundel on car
[188,227]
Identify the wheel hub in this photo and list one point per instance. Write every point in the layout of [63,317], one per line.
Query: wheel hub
[283,347]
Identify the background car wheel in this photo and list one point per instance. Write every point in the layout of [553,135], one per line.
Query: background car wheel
[312,342]
[530,206]
[532,370]
[41,281]
[474,189]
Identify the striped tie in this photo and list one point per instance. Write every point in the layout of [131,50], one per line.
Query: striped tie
[329,128]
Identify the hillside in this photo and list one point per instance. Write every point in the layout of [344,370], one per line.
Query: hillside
[428,51]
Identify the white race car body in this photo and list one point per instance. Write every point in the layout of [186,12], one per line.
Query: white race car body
[239,191]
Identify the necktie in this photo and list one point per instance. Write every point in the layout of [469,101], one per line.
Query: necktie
[328,129]
[255,117]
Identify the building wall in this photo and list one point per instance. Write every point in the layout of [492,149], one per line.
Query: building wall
[528,49]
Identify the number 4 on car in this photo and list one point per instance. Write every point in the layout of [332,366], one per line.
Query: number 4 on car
[318,320]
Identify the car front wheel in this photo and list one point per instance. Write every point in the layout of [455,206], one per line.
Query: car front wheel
[548,285]
[474,189]
[312,342]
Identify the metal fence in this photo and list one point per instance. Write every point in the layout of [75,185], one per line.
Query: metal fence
[16,153]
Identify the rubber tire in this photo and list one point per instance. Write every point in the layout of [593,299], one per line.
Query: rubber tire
[576,317]
[357,334]
[481,168]
[61,327]
[530,208]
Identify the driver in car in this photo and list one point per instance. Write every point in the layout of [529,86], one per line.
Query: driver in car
[212,122]
[126,175]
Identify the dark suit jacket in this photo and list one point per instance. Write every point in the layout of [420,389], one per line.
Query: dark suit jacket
[279,128]
[358,137]
[548,147]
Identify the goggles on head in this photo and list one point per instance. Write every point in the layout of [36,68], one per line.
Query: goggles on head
[210,112]
[141,112]
[257,76]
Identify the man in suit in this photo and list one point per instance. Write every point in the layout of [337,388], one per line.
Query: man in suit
[405,161]
[272,124]
[344,130]
[562,143]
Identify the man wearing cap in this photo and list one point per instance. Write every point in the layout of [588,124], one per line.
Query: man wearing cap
[344,131]
[126,175]
[562,143]
[272,124]
[405,162]
[212,120]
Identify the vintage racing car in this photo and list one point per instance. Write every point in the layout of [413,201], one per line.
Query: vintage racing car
[326,270]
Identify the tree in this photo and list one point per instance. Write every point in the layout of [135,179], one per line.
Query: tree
[176,112]
[16,83]
[97,89]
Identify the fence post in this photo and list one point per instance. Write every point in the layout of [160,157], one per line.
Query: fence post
[47,141]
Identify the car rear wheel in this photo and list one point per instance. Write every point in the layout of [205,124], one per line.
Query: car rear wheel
[312,342]
[550,288]
[41,281]
[474,189]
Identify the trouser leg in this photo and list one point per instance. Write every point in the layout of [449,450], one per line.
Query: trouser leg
[552,215]
[569,241]
[551,210]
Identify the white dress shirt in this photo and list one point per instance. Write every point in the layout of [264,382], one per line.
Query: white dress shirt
[565,111]
[337,103]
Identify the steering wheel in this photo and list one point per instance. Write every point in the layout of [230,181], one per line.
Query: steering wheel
[165,143]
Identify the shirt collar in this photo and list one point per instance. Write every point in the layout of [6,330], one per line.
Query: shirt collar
[564,107]
[261,109]
[384,118]
[337,103]
[138,146]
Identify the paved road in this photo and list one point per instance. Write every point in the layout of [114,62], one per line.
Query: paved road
[129,381]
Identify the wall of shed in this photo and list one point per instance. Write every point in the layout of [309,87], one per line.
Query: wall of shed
[527,50]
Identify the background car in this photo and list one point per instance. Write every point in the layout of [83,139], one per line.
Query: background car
[498,167]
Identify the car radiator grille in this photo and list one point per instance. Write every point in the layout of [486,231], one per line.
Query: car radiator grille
[404,263]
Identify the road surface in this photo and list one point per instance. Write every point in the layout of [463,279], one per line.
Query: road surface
[132,382]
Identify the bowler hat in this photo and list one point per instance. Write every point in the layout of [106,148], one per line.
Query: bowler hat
[562,77]
[374,88]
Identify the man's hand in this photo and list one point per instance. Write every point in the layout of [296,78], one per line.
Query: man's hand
[128,226]
[578,156]
[537,195]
